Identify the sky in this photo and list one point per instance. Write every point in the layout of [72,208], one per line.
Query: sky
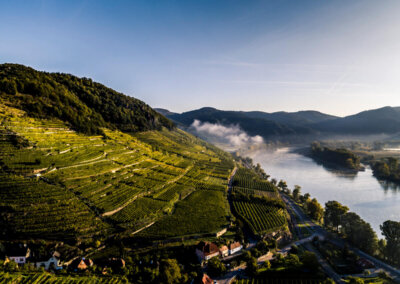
[339,57]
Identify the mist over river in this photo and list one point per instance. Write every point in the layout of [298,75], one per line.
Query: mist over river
[374,201]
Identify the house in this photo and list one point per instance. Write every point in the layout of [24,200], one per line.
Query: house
[18,253]
[203,279]
[224,251]
[235,247]
[206,251]
[84,263]
[53,262]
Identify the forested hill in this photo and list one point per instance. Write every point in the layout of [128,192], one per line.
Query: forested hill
[254,123]
[302,124]
[86,105]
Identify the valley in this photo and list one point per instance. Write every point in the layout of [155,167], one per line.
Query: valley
[143,198]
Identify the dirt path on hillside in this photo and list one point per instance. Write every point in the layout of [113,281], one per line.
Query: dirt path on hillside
[112,212]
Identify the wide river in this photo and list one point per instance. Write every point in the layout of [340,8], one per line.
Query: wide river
[375,202]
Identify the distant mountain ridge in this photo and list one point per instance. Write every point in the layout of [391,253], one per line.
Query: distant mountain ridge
[376,121]
[384,120]
[253,123]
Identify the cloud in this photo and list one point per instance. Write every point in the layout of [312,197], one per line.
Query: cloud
[232,135]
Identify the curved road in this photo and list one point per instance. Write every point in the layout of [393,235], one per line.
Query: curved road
[321,232]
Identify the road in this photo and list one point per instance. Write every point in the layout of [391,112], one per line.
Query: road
[231,275]
[322,233]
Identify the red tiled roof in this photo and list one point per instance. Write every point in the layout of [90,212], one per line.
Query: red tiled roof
[208,248]
[206,279]
[234,245]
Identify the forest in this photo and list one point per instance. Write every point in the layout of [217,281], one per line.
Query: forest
[86,105]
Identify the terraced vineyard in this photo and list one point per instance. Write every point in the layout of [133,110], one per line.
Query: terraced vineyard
[59,184]
[245,178]
[257,203]
[261,218]
[202,212]
[42,278]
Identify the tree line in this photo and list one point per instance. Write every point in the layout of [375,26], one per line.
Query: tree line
[351,226]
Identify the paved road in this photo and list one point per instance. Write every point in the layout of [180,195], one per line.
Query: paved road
[321,232]
[313,228]
[231,275]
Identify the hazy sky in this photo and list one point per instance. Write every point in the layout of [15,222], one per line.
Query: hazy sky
[338,57]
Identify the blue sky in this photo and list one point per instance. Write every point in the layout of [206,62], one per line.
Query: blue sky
[338,57]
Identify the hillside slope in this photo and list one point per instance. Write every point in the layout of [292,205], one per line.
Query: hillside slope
[85,105]
[63,180]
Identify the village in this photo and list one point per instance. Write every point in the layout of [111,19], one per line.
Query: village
[20,256]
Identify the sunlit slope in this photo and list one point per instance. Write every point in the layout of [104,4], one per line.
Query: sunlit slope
[60,184]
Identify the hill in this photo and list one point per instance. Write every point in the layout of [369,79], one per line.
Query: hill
[80,161]
[377,121]
[304,118]
[297,126]
[164,111]
[85,105]
[254,123]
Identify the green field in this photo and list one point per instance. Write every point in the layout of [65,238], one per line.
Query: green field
[42,278]
[92,184]
[202,212]
[262,218]
[256,201]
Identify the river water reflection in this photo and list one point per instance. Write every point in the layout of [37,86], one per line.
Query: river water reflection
[374,201]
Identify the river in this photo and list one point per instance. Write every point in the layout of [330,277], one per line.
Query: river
[374,201]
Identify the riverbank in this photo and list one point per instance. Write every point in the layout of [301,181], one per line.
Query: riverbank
[361,191]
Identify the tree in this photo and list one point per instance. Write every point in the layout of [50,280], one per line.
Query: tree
[310,261]
[360,233]
[282,185]
[8,86]
[296,192]
[170,272]
[292,261]
[315,210]
[274,181]
[267,264]
[305,198]
[252,267]
[391,232]
[334,212]
[262,246]
[216,267]
[294,249]
[355,280]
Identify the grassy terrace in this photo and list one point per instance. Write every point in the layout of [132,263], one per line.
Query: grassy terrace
[92,184]
[257,203]
[51,278]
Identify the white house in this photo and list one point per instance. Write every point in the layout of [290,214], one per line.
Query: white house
[53,262]
[18,253]
[235,247]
